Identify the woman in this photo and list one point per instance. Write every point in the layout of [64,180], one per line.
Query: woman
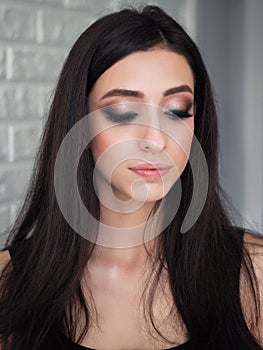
[143,82]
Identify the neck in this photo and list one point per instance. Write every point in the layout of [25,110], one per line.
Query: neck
[124,257]
[126,220]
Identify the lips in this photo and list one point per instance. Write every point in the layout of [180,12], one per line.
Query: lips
[151,171]
[146,166]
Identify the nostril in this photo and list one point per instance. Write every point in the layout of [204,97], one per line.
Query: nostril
[151,145]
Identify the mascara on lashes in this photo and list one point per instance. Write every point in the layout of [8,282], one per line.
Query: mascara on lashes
[129,116]
[120,117]
[173,113]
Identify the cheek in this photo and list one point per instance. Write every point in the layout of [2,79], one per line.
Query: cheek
[180,145]
[99,144]
[103,141]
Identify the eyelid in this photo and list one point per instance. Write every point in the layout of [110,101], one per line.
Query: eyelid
[180,104]
[120,117]
[124,113]
[120,106]
[179,113]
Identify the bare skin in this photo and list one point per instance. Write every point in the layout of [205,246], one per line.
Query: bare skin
[117,308]
[135,73]
[117,293]
[117,277]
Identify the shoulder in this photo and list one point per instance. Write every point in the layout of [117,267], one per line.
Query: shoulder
[4,259]
[253,240]
[253,244]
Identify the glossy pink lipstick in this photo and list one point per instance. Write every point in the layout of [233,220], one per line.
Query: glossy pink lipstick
[151,171]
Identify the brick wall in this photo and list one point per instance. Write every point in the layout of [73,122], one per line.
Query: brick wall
[35,36]
[34,39]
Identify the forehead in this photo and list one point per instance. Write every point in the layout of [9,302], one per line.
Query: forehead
[146,71]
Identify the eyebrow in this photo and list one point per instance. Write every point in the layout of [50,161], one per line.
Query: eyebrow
[139,94]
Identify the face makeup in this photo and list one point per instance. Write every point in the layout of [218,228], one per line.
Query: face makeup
[141,124]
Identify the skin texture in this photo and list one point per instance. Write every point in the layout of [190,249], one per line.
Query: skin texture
[116,276]
[151,137]
[151,73]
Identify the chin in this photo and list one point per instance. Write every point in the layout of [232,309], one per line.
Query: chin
[153,196]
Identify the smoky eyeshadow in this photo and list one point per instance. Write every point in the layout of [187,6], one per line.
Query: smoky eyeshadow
[182,103]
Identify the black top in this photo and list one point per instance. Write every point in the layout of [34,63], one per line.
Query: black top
[60,341]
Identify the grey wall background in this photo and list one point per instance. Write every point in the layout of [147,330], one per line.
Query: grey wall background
[230,34]
[35,37]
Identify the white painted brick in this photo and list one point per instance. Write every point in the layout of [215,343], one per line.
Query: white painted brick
[25,140]
[35,64]
[51,2]
[8,214]
[17,23]
[3,144]
[3,239]
[4,222]
[23,101]
[14,209]
[13,182]
[63,28]
[4,216]
[95,7]
[2,63]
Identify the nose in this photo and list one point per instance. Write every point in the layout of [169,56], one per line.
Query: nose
[152,139]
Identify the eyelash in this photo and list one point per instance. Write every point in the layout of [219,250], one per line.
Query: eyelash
[178,113]
[129,116]
[121,118]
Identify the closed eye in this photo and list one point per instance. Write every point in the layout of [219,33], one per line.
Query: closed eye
[173,113]
[120,117]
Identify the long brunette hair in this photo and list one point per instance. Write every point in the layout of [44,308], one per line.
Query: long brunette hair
[202,264]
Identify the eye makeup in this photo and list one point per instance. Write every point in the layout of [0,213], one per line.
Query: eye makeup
[175,113]
[180,102]
[122,113]
[130,116]
[179,107]
[124,117]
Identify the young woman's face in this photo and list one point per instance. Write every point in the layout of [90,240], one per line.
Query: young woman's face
[143,124]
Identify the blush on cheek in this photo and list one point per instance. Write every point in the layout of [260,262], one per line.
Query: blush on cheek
[99,144]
